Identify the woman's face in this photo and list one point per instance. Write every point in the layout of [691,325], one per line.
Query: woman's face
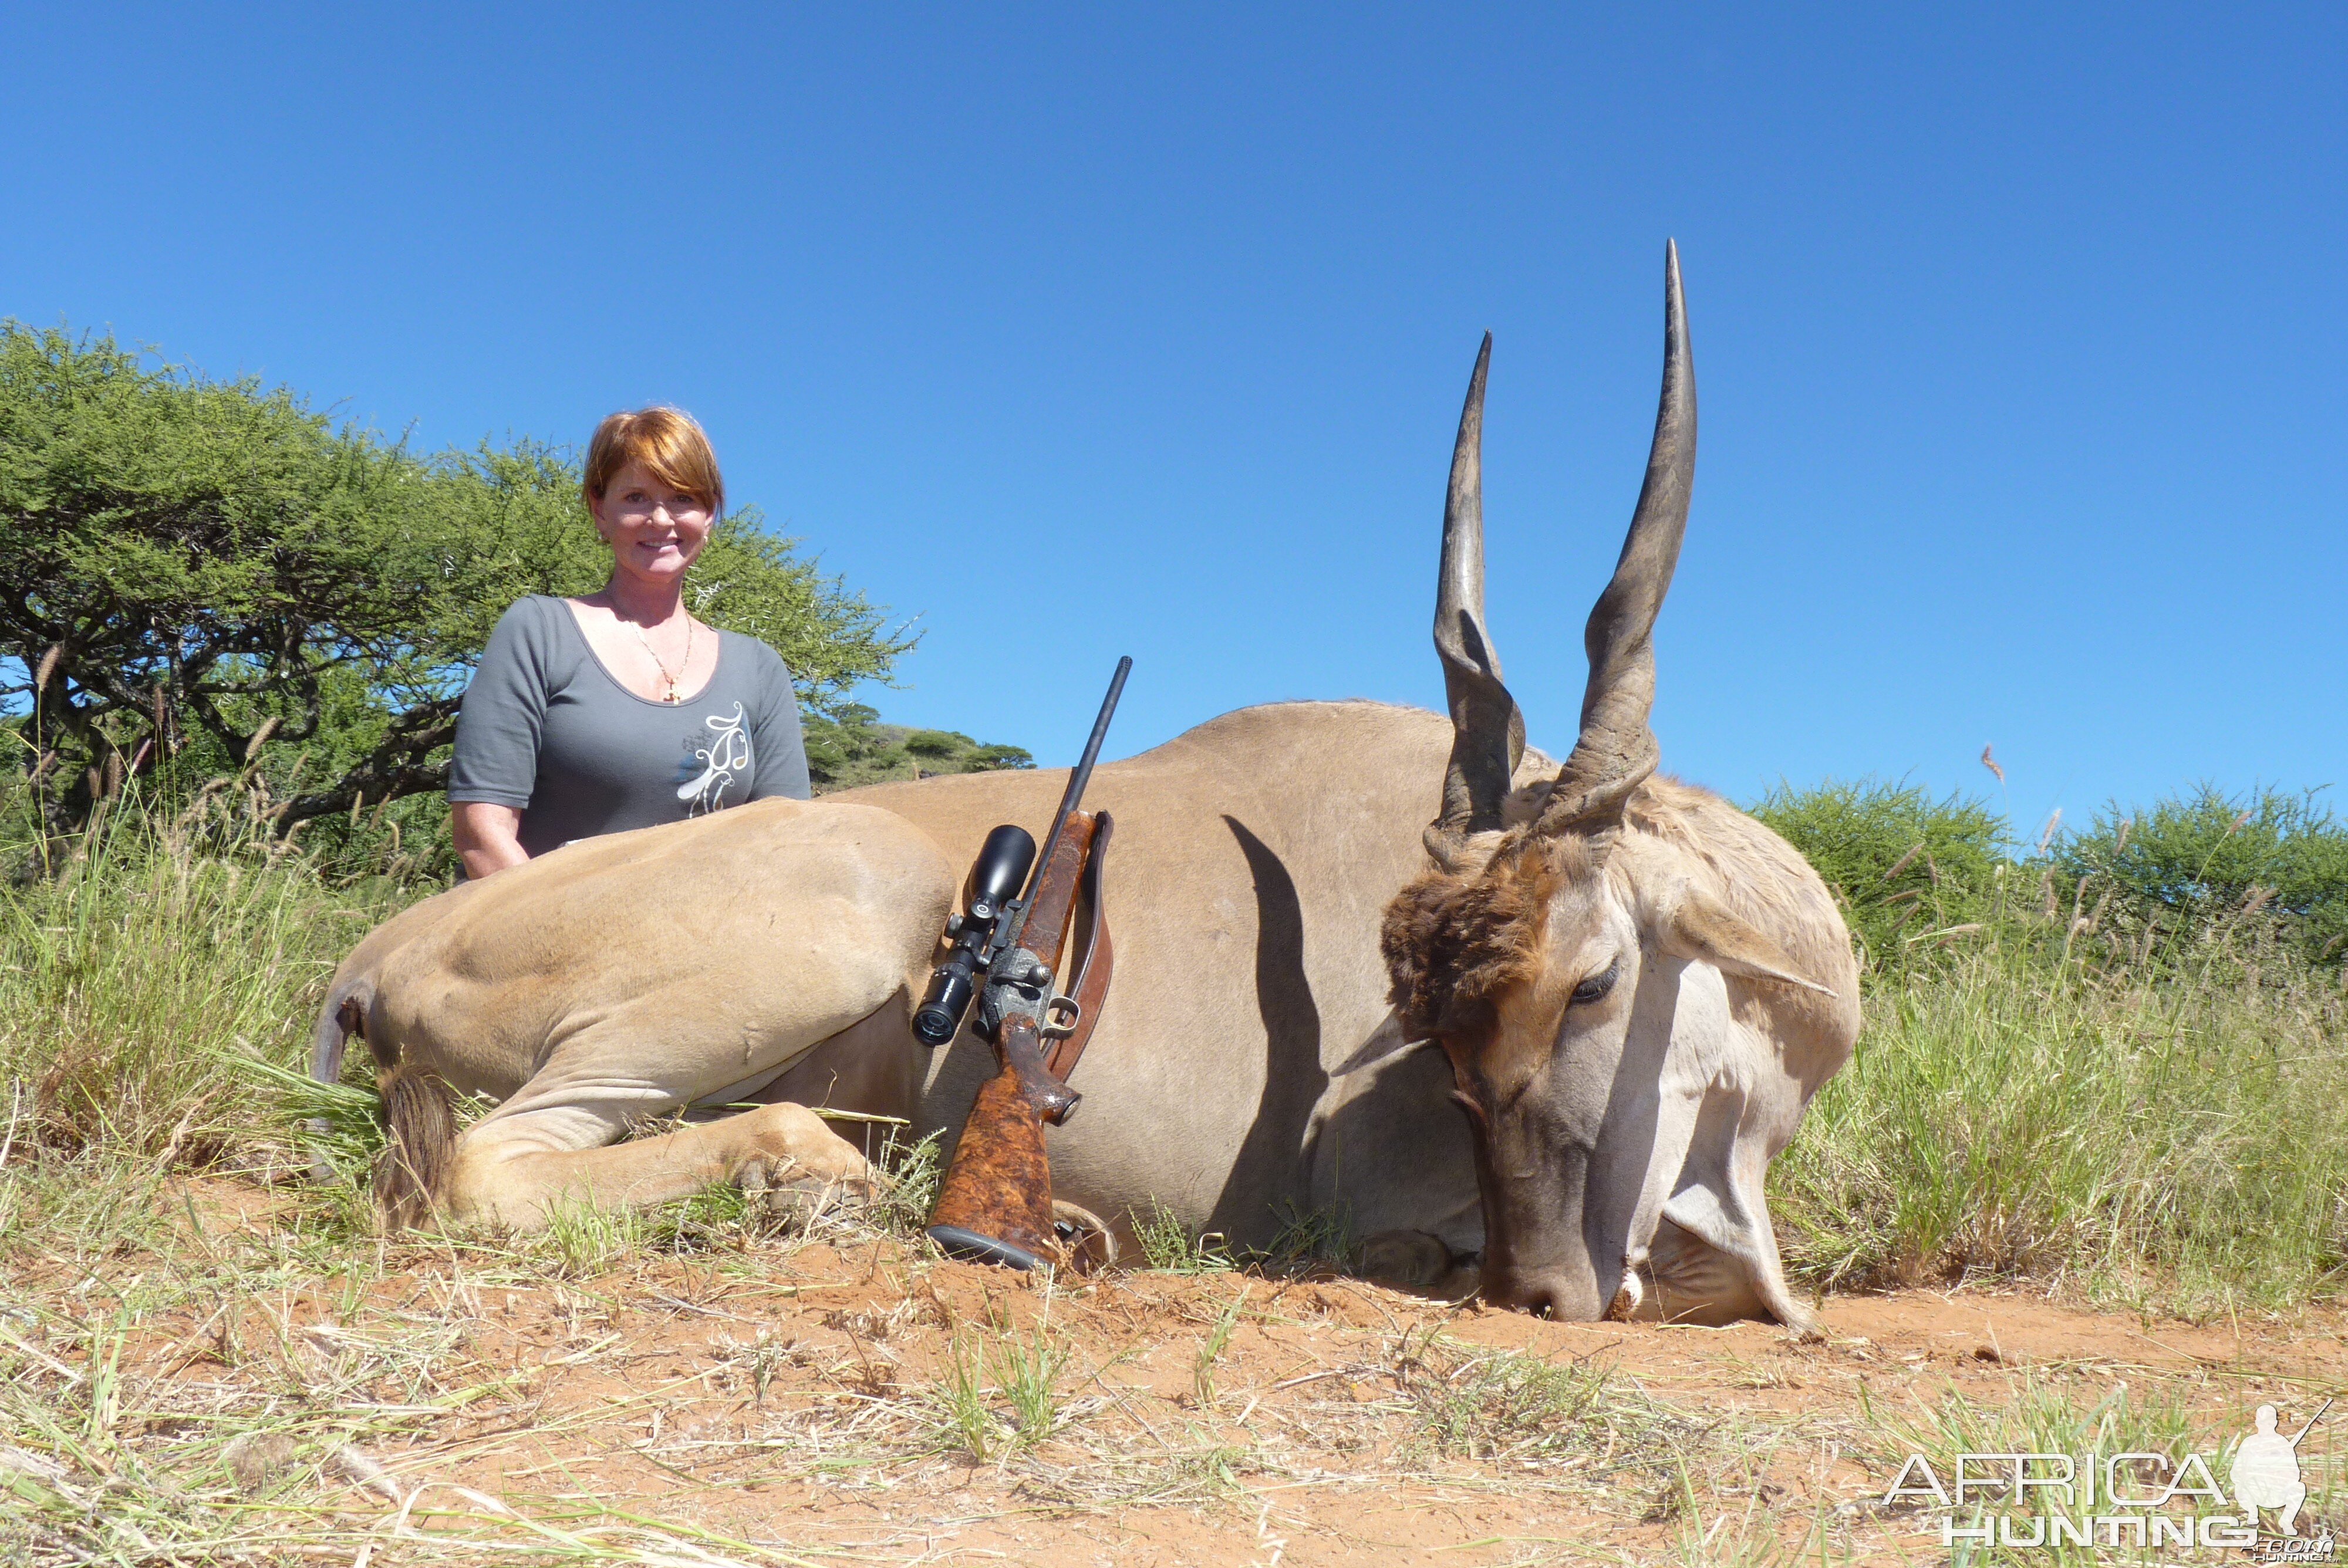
[654,530]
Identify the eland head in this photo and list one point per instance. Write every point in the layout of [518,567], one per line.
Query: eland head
[1611,960]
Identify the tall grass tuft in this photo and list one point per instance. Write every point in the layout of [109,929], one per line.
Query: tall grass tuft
[2168,1126]
[141,984]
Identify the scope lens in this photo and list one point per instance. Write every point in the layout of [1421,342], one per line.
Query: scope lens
[938,1018]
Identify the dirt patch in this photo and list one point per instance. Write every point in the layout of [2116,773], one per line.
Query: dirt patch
[780,1399]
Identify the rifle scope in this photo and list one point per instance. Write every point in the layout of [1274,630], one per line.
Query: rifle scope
[995,878]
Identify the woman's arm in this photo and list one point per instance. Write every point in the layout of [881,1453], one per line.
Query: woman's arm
[779,747]
[489,836]
[494,768]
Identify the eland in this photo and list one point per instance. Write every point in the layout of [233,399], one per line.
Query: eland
[1628,990]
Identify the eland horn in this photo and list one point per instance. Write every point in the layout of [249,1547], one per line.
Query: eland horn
[1616,751]
[1488,733]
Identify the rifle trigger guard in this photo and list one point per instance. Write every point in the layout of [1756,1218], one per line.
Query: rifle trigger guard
[1061,1026]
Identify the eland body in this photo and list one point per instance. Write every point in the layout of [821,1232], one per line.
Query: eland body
[1633,987]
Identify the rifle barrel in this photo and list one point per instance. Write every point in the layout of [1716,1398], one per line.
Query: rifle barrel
[1077,778]
[1083,769]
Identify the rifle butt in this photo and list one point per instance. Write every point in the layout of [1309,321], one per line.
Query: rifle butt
[994,1204]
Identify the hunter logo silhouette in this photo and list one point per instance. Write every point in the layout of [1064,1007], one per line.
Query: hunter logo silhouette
[2266,1470]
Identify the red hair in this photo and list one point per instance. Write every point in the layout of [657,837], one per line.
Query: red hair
[667,442]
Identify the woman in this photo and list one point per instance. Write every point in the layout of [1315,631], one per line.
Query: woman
[619,710]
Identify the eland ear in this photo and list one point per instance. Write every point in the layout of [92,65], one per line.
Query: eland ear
[1386,1041]
[1704,928]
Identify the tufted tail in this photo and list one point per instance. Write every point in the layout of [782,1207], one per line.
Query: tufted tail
[421,1115]
[419,1112]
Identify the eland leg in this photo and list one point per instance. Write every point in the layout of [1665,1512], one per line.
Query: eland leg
[1679,1108]
[512,1170]
[1695,1282]
[1724,1206]
[1406,1259]
[872,1068]
[566,1136]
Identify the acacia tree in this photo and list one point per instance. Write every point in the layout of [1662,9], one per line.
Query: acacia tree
[200,575]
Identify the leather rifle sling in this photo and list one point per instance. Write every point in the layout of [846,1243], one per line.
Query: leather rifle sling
[1090,988]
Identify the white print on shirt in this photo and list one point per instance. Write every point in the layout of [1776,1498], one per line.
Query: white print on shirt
[726,754]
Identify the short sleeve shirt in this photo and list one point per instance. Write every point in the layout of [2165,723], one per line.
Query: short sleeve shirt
[547,730]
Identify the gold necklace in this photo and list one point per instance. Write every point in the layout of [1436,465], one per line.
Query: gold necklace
[683,665]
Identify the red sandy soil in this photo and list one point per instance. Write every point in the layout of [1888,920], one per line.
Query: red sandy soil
[781,1399]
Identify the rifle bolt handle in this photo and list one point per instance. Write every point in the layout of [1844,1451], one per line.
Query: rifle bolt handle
[1041,974]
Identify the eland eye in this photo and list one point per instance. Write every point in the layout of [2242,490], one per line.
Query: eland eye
[1598,985]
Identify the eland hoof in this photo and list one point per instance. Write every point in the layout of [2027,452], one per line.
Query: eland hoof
[1405,1258]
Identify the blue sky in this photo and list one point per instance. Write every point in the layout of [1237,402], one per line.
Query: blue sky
[2019,332]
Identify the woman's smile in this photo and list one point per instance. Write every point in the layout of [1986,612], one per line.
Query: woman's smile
[655,529]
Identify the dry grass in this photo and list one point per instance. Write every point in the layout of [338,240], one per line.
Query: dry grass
[219,1372]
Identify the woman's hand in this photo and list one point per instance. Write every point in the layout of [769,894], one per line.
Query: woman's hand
[489,837]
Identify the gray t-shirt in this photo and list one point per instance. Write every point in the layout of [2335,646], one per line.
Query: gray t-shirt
[547,730]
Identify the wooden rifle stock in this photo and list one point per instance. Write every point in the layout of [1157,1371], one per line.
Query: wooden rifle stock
[995,1201]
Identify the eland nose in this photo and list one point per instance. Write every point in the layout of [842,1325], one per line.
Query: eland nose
[1544,1296]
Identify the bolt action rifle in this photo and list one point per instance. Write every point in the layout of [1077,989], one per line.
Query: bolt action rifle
[1019,914]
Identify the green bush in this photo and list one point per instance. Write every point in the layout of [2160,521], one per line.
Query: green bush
[1906,867]
[849,746]
[2204,856]
[2120,1063]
